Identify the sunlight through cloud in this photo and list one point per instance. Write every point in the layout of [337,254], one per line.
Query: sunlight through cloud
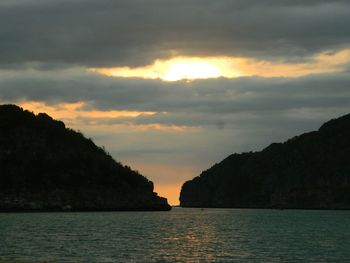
[191,68]
[179,68]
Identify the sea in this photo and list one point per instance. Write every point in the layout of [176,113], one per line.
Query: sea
[181,235]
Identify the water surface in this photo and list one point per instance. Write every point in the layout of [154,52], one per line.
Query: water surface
[182,235]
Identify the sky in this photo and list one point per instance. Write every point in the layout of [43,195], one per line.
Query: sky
[171,87]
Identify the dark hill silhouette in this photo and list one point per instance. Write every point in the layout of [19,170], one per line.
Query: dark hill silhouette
[46,167]
[307,171]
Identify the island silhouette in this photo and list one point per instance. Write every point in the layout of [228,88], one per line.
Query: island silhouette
[45,166]
[308,171]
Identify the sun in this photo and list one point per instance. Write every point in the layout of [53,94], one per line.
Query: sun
[189,70]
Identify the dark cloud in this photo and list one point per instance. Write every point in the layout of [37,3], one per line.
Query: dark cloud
[102,33]
[193,103]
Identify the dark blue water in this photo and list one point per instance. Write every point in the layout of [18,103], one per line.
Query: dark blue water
[182,235]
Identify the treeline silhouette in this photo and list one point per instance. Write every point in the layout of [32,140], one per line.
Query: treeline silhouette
[46,166]
[307,171]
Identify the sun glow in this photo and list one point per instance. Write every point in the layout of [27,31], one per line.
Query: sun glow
[179,68]
[191,68]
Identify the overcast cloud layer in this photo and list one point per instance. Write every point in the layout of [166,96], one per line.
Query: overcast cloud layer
[104,33]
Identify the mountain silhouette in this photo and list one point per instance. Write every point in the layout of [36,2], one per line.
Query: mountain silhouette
[308,171]
[45,166]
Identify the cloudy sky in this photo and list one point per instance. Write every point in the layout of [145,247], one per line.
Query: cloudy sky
[170,87]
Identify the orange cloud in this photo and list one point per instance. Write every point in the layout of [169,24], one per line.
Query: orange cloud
[76,110]
[77,117]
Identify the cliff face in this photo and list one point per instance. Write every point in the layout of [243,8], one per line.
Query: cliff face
[307,171]
[45,166]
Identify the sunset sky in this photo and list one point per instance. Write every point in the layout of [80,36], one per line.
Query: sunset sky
[170,87]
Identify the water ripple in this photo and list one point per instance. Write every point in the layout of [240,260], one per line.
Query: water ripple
[182,235]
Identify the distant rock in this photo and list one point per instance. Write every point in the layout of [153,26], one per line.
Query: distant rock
[307,171]
[45,166]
